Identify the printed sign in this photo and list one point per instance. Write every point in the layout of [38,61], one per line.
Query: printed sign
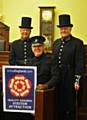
[19,83]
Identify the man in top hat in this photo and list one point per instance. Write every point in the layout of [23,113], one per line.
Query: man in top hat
[47,72]
[68,50]
[20,53]
[20,50]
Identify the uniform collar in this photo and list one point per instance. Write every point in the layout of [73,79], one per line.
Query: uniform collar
[67,38]
[26,40]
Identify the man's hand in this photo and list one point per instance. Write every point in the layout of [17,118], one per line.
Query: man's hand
[77,86]
[42,87]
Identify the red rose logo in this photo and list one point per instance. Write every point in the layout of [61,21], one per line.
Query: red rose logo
[19,86]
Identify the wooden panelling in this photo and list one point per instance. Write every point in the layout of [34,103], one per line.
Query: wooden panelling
[4,35]
[4,56]
[44,106]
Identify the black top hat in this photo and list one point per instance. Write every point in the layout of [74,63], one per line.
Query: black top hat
[26,22]
[64,20]
[37,40]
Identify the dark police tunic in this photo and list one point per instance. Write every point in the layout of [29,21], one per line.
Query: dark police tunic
[70,56]
[20,52]
[47,70]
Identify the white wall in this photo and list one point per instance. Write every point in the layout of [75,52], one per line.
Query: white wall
[13,10]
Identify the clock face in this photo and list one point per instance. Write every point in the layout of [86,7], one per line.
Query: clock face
[47,25]
[47,15]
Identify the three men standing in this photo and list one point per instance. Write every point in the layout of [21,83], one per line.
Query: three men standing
[69,53]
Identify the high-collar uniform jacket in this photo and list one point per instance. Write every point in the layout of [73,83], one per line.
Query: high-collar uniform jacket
[20,52]
[70,60]
[47,70]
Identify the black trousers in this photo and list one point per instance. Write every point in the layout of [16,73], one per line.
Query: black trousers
[65,98]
